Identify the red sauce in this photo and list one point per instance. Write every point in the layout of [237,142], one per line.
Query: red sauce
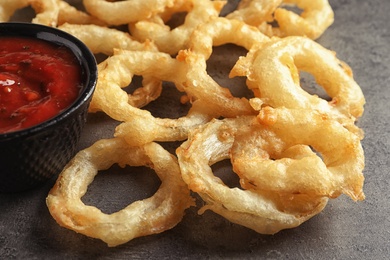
[38,80]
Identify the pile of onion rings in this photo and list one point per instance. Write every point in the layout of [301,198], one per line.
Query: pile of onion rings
[291,150]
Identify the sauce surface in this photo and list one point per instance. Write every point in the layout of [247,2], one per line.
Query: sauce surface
[38,80]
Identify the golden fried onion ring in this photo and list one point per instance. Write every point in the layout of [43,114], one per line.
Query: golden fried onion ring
[275,155]
[171,41]
[273,69]
[105,40]
[139,125]
[153,215]
[316,17]
[199,84]
[127,11]
[265,212]
[117,72]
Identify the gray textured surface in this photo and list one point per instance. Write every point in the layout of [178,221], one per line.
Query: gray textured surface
[344,230]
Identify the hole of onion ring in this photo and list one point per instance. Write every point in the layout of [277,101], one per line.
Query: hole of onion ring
[176,20]
[309,84]
[116,188]
[136,82]
[228,7]
[168,104]
[25,14]
[77,4]
[146,95]
[100,57]
[223,170]
[171,146]
[219,65]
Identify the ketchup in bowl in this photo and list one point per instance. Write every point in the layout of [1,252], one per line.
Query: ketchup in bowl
[47,79]
[38,80]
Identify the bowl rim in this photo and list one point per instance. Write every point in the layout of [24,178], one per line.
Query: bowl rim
[83,54]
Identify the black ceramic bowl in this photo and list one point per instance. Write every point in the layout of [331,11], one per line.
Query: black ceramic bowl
[34,155]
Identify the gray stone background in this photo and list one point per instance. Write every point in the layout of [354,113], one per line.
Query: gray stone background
[344,230]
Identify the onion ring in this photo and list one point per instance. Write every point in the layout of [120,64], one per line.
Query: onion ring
[275,155]
[105,40]
[153,215]
[124,12]
[284,58]
[316,17]
[199,84]
[117,71]
[265,212]
[171,41]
